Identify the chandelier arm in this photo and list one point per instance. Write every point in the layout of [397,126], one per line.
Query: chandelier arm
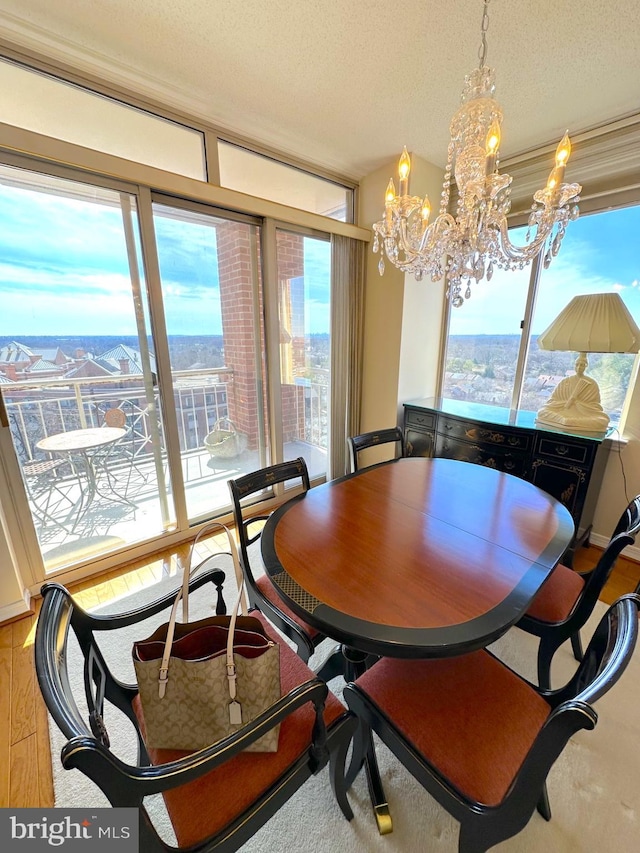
[529,250]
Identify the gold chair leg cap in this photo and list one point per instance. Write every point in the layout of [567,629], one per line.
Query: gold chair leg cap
[383,819]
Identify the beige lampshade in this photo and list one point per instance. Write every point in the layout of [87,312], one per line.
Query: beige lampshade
[593,322]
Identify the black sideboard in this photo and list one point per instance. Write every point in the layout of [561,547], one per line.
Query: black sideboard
[566,465]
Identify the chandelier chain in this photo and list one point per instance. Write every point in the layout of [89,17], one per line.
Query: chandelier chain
[484,26]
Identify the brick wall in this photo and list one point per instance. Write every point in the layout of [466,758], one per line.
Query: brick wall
[236,295]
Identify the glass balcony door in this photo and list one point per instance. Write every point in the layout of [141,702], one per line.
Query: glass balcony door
[304,289]
[211,286]
[122,435]
[77,368]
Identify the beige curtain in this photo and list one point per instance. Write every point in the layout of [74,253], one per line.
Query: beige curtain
[347,333]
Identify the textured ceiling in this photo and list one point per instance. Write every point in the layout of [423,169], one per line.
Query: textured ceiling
[345,83]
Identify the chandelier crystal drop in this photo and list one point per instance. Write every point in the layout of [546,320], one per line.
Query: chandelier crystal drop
[468,246]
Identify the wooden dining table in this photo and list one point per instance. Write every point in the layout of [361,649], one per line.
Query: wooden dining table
[414,558]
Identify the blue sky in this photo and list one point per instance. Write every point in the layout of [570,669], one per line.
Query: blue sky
[600,253]
[64,271]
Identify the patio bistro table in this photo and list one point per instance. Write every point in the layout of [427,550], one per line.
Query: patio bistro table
[414,558]
[81,443]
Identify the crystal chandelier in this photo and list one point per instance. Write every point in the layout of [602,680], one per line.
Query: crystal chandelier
[470,245]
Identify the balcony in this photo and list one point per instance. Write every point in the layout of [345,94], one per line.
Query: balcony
[86,503]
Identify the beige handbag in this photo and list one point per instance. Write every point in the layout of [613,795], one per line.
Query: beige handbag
[201,681]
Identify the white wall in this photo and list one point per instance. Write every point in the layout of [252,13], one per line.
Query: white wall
[621,480]
[14,597]
[403,317]
[384,301]
[423,308]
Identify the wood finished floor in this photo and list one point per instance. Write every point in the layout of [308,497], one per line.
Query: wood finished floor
[25,759]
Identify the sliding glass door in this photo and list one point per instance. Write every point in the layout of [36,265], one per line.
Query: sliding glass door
[304,297]
[143,364]
[212,296]
[78,375]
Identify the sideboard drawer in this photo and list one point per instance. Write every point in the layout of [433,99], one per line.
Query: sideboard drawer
[484,434]
[500,458]
[560,449]
[422,420]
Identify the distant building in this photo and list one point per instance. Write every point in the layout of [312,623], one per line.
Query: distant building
[18,362]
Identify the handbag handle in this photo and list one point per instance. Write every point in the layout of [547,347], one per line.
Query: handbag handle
[235,714]
[186,576]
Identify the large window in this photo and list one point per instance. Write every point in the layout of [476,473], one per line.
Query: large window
[56,108]
[212,290]
[78,372]
[304,290]
[599,254]
[135,365]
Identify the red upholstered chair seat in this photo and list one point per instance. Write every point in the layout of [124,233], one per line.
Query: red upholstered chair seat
[566,600]
[203,807]
[266,587]
[558,596]
[470,717]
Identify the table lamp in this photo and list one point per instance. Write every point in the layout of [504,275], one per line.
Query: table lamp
[591,322]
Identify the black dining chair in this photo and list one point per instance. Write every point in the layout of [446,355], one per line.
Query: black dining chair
[216,798]
[480,738]
[260,590]
[567,598]
[357,443]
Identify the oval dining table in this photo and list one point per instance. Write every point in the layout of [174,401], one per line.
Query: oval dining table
[414,558]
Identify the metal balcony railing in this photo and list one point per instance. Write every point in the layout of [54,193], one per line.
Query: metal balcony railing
[38,409]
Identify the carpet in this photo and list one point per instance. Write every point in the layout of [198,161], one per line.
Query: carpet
[594,787]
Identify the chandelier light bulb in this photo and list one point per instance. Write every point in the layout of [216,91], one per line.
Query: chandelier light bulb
[563,150]
[404,167]
[404,164]
[465,245]
[555,177]
[492,143]
[390,193]
[493,139]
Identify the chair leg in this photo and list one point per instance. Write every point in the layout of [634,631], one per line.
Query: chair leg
[470,839]
[359,748]
[546,651]
[338,775]
[576,645]
[333,666]
[543,803]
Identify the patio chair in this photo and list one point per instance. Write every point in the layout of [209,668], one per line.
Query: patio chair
[50,501]
[119,461]
[216,798]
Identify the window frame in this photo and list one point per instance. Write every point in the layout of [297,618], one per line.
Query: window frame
[629,197]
